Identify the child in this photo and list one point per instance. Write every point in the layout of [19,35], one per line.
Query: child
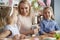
[11,30]
[48,25]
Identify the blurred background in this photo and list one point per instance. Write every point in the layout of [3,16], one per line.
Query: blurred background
[6,6]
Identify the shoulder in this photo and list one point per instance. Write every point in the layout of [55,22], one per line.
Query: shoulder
[18,16]
[8,27]
[54,22]
[43,21]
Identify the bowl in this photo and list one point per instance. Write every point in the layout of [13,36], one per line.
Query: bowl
[49,38]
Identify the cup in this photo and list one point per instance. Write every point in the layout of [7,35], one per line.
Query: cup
[57,35]
[35,28]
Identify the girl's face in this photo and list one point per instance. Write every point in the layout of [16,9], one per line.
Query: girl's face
[47,14]
[24,9]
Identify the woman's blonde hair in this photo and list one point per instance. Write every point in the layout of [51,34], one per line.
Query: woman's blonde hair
[51,9]
[25,2]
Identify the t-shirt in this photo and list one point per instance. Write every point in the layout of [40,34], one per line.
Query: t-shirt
[48,26]
[13,28]
[25,23]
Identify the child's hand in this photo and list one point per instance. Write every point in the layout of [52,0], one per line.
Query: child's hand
[16,37]
[52,32]
[22,36]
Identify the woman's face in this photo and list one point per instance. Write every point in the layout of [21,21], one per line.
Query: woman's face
[47,14]
[24,9]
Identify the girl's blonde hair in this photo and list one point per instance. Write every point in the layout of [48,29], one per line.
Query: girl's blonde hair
[51,9]
[8,20]
[25,2]
[4,11]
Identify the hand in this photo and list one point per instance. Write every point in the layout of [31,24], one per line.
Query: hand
[51,35]
[16,37]
[22,36]
[52,32]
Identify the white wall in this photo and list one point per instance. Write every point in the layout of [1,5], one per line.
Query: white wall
[57,10]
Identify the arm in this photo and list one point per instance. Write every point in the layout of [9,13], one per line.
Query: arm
[28,32]
[5,34]
[57,27]
[41,31]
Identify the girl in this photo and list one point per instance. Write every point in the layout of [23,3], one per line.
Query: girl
[48,25]
[11,30]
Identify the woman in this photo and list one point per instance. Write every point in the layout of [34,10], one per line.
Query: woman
[48,24]
[25,18]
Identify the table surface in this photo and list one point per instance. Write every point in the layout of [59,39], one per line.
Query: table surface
[41,37]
